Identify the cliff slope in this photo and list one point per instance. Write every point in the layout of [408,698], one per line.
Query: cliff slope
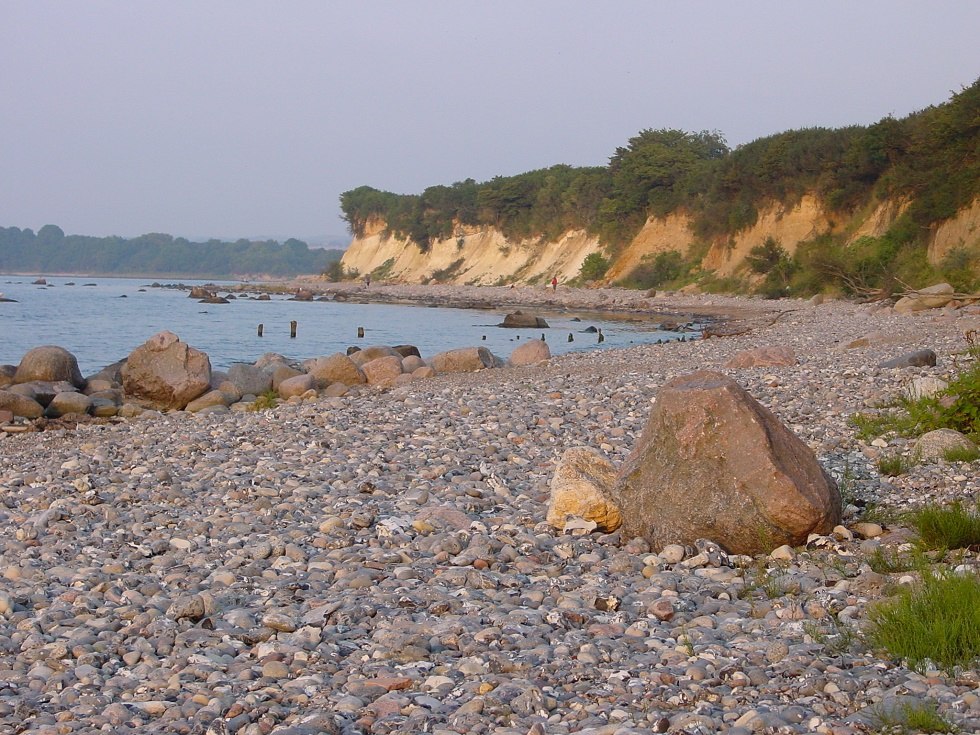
[484,256]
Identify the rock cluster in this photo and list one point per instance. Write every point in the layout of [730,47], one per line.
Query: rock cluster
[167,374]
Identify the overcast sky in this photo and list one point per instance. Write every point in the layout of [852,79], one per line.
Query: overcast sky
[242,119]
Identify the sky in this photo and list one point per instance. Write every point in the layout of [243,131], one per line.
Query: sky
[249,119]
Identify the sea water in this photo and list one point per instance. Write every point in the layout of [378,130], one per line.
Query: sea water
[101,320]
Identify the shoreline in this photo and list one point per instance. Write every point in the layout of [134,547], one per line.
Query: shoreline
[609,300]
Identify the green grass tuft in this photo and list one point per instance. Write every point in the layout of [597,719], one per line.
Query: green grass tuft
[884,562]
[947,527]
[894,465]
[962,454]
[918,717]
[937,620]
[269,399]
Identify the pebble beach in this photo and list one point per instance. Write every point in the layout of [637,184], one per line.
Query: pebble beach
[380,562]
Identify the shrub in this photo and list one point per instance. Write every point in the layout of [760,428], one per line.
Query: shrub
[593,267]
[947,527]
[384,270]
[937,620]
[656,271]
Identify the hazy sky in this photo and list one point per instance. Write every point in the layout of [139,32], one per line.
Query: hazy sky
[240,119]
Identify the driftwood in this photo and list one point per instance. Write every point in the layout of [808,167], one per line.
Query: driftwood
[969,298]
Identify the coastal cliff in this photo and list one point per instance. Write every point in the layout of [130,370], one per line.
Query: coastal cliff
[485,256]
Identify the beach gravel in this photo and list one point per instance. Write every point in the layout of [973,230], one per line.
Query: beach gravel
[381,562]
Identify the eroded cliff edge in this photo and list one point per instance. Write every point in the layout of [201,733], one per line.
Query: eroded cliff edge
[484,256]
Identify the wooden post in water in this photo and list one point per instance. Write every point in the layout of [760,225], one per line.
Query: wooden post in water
[292,330]
[360,332]
[261,327]
[570,337]
[602,337]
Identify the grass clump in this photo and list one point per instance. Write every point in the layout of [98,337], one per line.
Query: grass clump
[962,454]
[885,562]
[937,620]
[894,465]
[951,526]
[269,399]
[956,407]
[912,717]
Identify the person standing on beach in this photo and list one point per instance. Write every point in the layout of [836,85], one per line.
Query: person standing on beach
[554,283]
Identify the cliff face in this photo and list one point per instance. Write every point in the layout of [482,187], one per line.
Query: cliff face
[486,257]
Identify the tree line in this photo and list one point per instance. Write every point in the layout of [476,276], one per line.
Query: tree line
[930,158]
[50,250]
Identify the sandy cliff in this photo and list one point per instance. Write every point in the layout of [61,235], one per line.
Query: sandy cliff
[486,257]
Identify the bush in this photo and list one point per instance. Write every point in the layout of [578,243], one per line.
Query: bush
[772,260]
[938,621]
[651,273]
[593,267]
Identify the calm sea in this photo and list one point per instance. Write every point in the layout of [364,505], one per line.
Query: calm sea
[101,320]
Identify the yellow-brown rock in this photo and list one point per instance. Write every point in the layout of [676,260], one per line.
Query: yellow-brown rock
[582,487]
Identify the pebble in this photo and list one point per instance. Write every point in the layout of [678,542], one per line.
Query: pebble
[379,562]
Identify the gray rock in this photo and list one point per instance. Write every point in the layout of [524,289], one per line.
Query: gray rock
[919,358]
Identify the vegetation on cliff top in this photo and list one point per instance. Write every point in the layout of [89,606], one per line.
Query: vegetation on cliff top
[930,159]
[51,251]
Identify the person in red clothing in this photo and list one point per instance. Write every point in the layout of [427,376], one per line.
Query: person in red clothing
[554,283]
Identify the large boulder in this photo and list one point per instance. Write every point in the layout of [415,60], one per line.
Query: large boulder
[383,370]
[65,404]
[933,297]
[337,368]
[714,463]
[934,445]
[367,354]
[582,488]
[284,372]
[42,391]
[763,357]
[463,360]
[49,363]
[166,373]
[530,353]
[7,373]
[296,385]
[20,405]
[209,400]
[250,379]
[520,320]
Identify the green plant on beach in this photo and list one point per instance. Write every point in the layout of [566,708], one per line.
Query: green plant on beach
[956,407]
[886,562]
[894,465]
[936,620]
[911,717]
[962,454]
[269,399]
[952,526]
[836,641]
